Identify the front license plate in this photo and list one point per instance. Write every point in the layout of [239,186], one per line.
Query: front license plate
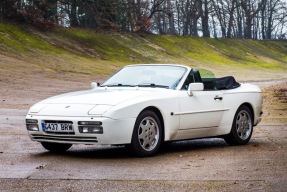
[58,127]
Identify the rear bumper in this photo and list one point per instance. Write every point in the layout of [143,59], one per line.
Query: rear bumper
[258,119]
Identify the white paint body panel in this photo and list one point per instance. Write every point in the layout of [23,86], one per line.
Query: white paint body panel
[184,116]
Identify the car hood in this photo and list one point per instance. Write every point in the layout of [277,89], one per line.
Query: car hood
[89,102]
[96,97]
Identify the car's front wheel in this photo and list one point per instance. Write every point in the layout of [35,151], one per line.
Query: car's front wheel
[56,147]
[242,127]
[147,134]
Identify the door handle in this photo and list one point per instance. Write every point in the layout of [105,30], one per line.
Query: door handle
[217,97]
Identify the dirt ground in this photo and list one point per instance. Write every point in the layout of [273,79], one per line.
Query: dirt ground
[198,165]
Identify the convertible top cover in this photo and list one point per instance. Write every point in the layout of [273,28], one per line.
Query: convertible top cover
[228,82]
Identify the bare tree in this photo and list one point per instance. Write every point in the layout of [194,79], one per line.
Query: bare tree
[170,14]
[205,17]
[258,19]
[251,9]
[231,6]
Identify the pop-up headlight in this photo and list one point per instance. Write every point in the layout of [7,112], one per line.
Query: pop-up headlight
[99,109]
[37,108]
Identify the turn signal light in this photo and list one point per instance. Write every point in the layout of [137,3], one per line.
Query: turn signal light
[31,121]
[89,123]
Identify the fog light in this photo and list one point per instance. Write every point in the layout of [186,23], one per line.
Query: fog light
[97,130]
[85,130]
[91,129]
[32,127]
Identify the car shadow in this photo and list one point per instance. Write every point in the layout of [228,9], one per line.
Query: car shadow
[120,152]
[192,145]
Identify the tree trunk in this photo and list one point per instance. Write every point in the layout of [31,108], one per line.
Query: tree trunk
[2,8]
[170,18]
[214,27]
[186,22]
[204,19]
[8,12]
[178,18]
[231,19]
[194,28]
[73,15]
[263,21]
[239,23]
[270,19]
[248,27]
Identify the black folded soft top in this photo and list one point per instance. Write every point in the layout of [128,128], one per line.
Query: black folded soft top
[228,82]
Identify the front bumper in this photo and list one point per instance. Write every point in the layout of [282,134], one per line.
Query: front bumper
[114,131]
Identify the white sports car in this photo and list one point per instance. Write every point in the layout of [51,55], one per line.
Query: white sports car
[142,106]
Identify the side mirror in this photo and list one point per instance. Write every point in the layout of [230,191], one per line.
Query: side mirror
[94,85]
[194,87]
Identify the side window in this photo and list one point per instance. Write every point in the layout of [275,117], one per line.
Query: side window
[189,79]
[197,77]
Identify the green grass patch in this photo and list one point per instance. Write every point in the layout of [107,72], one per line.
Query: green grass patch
[91,52]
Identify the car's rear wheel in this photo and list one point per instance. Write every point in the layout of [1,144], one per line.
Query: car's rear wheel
[147,134]
[242,127]
[56,147]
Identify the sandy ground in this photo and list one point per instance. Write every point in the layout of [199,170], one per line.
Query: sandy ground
[198,165]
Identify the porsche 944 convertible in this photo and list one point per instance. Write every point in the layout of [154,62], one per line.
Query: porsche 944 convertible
[143,106]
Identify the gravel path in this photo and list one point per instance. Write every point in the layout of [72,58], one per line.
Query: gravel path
[198,165]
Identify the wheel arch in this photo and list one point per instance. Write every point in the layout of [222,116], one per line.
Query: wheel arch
[159,115]
[233,138]
[249,106]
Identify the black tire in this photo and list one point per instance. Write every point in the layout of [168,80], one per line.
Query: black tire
[56,147]
[242,127]
[147,134]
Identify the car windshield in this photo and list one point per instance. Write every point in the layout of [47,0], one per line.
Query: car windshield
[163,76]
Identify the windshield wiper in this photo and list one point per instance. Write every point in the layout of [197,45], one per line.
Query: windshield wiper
[139,85]
[150,85]
[115,85]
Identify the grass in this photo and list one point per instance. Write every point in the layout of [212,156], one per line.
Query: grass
[83,51]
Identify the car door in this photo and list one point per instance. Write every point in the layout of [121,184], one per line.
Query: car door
[202,109]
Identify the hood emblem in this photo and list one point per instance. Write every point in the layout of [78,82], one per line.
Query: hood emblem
[67,106]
